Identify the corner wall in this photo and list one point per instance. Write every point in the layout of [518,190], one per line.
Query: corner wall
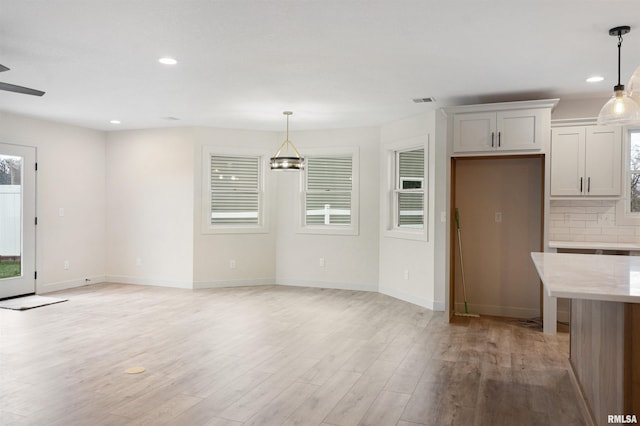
[254,255]
[71,176]
[351,261]
[150,207]
[398,255]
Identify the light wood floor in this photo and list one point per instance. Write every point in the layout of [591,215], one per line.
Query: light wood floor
[273,356]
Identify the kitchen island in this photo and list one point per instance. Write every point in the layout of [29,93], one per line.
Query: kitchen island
[605,328]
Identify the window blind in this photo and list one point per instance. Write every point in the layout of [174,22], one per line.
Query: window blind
[235,190]
[328,190]
[410,188]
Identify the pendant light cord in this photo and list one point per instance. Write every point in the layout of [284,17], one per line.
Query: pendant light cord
[619,61]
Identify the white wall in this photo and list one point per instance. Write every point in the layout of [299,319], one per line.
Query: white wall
[351,261]
[254,254]
[150,216]
[71,175]
[415,256]
[578,108]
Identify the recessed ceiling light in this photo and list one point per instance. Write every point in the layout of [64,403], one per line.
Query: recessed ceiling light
[167,61]
[115,122]
[595,79]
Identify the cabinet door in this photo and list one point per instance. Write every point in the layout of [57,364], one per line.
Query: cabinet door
[567,161]
[519,130]
[603,160]
[474,132]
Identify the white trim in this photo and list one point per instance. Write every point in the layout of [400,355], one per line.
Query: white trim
[123,279]
[570,122]
[233,283]
[434,305]
[541,103]
[354,227]
[497,310]
[388,210]
[205,225]
[64,285]
[329,285]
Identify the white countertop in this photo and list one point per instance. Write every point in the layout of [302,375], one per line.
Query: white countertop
[590,276]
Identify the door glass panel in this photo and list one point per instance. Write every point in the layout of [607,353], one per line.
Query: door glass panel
[10,216]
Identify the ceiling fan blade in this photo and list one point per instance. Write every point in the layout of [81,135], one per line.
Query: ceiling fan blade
[19,89]
[3,68]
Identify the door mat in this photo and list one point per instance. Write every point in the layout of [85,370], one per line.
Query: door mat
[29,302]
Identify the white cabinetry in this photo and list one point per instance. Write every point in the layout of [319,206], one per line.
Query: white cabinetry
[506,128]
[511,130]
[586,161]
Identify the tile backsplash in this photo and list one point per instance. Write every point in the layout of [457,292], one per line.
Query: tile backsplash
[589,221]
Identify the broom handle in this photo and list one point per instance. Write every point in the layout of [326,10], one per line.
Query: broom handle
[464,286]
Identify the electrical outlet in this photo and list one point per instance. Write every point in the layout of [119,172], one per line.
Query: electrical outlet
[406,274]
[321,262]
[443,217]
[498,217]
[66,264]
[232,264]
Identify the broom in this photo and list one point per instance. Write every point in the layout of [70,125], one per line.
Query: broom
[464,286]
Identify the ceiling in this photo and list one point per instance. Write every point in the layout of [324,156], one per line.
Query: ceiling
[335,63]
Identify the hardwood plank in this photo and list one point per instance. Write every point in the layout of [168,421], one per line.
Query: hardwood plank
[273,354]
[350,409]
[317,406]
[386,409]
[282,406]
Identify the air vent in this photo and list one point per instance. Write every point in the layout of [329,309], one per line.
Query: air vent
[423,100]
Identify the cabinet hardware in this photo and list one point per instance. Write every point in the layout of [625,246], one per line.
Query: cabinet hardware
[589,184]
[581,185]
[499,139]
[493,135]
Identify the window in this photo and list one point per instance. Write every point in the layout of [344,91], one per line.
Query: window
[233,193]
[409,190]
[628,206]
[634,171]
[329,193]
[407,186]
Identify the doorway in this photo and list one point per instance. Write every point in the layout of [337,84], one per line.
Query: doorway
[500,200]
[17,220]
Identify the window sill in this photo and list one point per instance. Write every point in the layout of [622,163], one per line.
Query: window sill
[416,235]
[235,230]
[327,230]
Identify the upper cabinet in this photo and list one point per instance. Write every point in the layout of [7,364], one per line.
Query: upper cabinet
[500,128]
[586,161]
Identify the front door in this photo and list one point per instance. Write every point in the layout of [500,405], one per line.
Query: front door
[17,220]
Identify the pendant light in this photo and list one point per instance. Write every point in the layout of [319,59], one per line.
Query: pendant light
[287,161]
[633,87]
[620,109]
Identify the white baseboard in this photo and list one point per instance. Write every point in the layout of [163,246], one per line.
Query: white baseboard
[148,281]
[42,288]
[325,284]
[499,311]
[233,283]
[416,300]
